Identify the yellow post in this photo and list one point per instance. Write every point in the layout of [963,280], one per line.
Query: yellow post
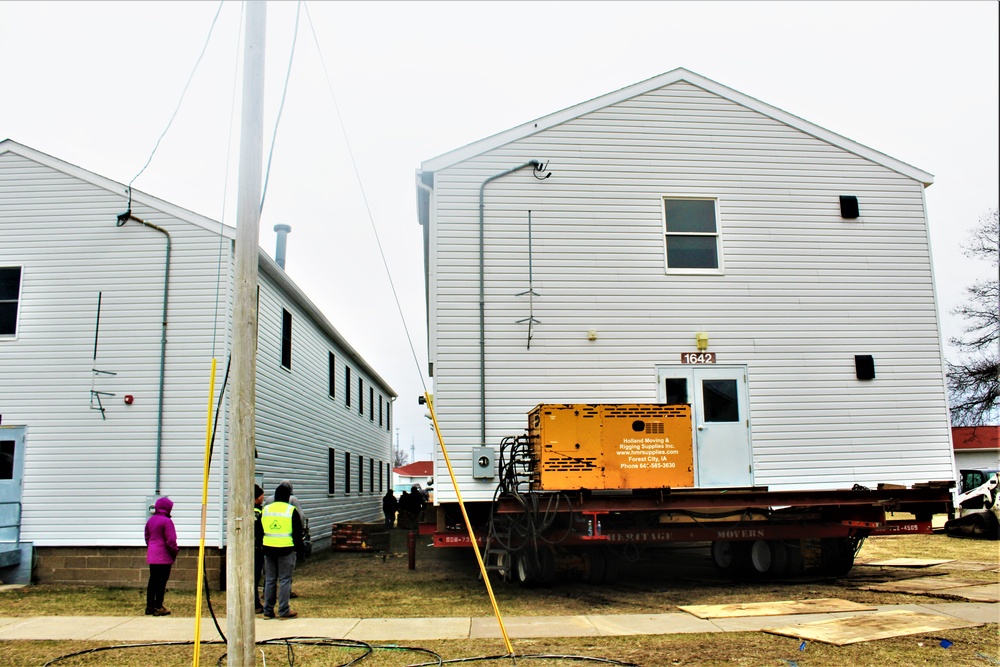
[204,517]
[468,526]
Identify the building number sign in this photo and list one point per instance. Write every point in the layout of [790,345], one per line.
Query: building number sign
[697,357]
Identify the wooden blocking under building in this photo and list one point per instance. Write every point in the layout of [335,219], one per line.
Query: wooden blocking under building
[359,537]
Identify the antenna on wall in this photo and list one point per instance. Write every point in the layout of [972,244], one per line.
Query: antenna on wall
[94,394]
[530,292]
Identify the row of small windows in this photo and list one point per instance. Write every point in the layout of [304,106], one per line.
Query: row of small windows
[384,410]
[384,474]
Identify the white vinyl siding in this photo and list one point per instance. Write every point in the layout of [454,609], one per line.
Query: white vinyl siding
[298,424]
[87,478]
[803,291]
[79,467]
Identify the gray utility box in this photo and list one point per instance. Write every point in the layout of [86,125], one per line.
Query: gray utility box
[483,463]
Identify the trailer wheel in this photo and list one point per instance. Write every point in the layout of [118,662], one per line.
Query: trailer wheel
[731,558]
[535,568]
[504,562]
[595,566]
[838,555]
[769,559]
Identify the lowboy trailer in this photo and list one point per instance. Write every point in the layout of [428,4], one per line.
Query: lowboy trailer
[587,485]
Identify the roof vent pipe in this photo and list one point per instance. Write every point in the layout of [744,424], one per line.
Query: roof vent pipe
[279,251]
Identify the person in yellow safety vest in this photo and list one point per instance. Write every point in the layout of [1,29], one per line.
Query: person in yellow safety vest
[282,543]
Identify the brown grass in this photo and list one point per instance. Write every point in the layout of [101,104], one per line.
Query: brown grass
[970,647]
[446,583]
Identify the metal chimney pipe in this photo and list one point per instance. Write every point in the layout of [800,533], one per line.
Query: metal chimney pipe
[279,251]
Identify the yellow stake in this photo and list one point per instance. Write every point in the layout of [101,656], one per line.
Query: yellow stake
[468,526]
[204,515]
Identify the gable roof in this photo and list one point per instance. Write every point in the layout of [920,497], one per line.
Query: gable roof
[538,125]
[265,264]
[174,211]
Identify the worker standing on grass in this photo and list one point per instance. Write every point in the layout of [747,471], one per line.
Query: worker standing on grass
[282,543]
[258,545]
[389,505]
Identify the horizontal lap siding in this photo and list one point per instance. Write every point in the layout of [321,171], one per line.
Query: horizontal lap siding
[803,290]
[298,422]
[87,478]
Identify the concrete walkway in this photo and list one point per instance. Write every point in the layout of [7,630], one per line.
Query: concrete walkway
[148,628]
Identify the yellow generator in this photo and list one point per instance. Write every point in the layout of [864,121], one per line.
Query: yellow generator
[634,446]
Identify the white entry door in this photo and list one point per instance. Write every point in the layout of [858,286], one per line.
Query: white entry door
[11,474]
[720,418]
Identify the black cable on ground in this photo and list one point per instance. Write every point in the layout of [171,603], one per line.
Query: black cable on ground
[369,649]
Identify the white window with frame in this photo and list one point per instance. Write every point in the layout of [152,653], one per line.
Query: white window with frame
[10,297]
[691,235]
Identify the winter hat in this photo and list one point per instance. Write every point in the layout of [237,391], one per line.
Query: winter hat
[257,491]
[283,492]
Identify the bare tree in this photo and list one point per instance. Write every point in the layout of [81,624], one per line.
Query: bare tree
[974,381]
[399,458]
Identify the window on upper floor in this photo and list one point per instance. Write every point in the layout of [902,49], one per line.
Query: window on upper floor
[347,386]
[361,396]
[333,376]
[691,233]
[10,294]
[388,417]
[371,403]
[286,339]
[380,409]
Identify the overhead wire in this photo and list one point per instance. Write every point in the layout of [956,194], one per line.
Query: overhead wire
[201,55]
[225,182]
[281,106]
[364,196]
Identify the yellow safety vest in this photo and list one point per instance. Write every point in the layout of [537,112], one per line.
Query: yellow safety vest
[277,521]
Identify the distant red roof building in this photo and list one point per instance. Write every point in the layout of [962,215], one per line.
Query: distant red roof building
[976,437]
[415,469]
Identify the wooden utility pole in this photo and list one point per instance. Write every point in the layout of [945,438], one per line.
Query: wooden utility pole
[239,531]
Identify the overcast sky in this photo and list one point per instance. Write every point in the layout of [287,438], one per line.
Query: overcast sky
[95,84]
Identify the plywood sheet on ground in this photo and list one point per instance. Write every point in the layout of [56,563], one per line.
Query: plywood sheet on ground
[817,606]
[921,585]
[909,562]
[869,627]
[971,566]
[981,593]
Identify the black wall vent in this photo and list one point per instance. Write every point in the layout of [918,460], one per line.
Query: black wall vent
[848,207]
[864,366]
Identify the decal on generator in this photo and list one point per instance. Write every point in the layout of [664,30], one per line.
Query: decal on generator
[635,446]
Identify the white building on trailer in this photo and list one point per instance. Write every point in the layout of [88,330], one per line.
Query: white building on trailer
[677,241]
[108,326]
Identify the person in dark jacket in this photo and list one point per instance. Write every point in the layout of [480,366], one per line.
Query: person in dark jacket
[161,551]
[389,505]
[403,506]
[282,543]
[258,545]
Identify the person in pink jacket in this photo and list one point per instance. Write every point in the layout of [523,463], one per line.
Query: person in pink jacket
[161,543]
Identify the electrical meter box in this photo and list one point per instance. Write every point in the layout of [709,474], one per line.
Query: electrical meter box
[635,446]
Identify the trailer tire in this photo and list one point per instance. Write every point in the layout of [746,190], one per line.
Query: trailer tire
[535,568]
[768,558]
[731,558]
[838,555]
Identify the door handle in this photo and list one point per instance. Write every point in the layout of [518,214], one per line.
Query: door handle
[701,427]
